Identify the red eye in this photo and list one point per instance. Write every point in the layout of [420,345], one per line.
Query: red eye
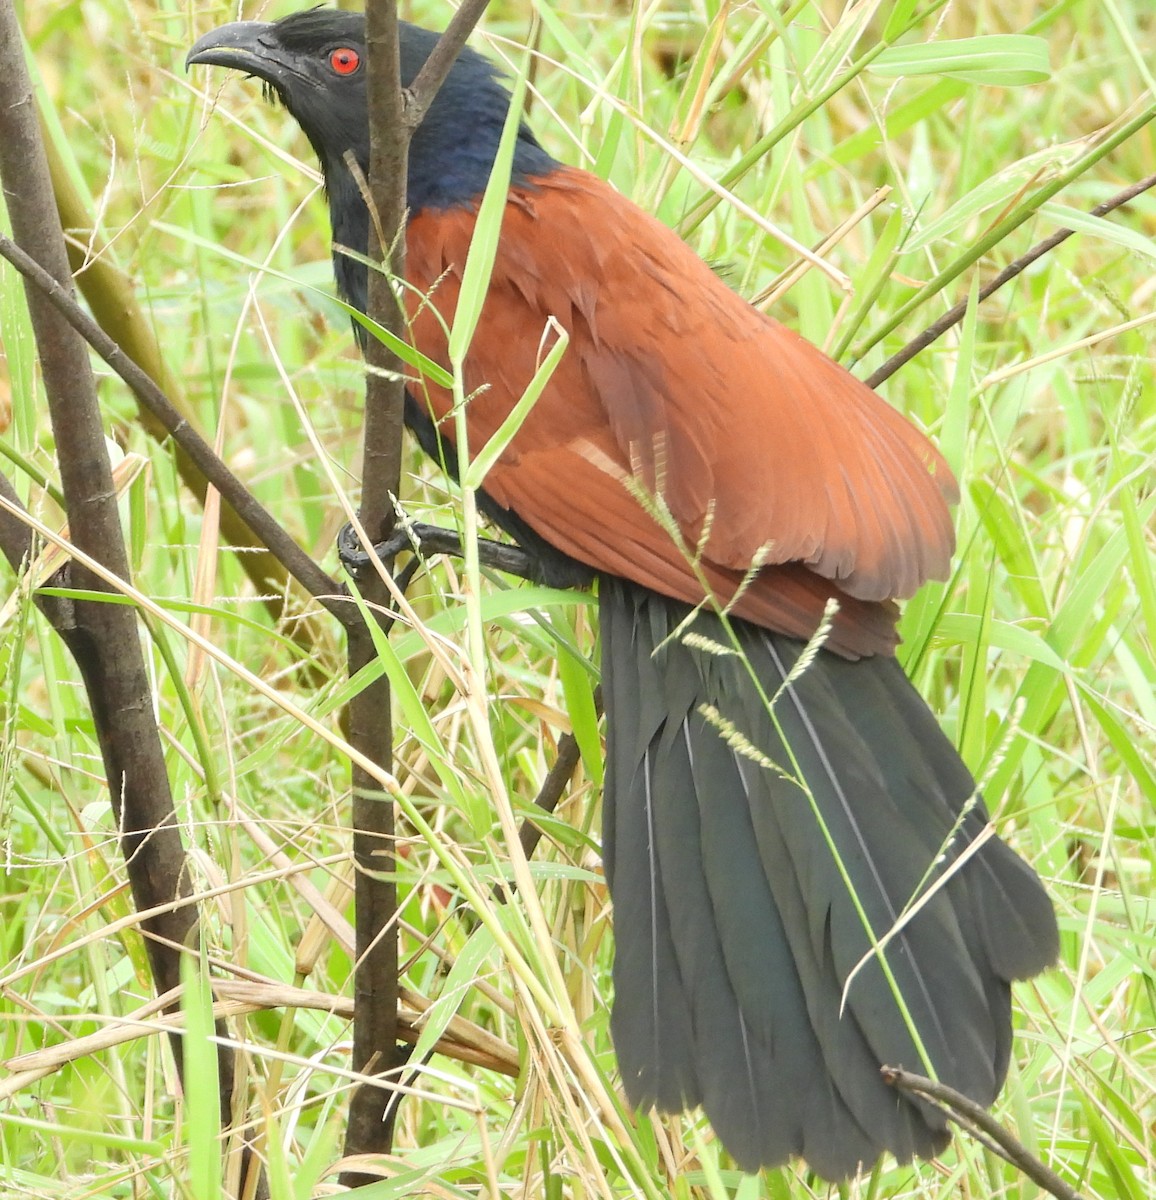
[345,60]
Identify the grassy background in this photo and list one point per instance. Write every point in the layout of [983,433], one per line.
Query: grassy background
[1037,653]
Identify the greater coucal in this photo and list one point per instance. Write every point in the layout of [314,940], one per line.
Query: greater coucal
[766,821]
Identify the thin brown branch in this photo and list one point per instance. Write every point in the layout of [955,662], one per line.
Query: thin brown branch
[980,1123]
[556,781]
[392,118]
[15,537]
[462,1040]
[18,547]
[199,452]
[376,1032]
[388,166]
[938,328]
[420,94]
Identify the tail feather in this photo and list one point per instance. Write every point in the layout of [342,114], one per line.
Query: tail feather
[798,1110]
[887,843]
[736,933]
[726,1051]
[683,1036]
[653,1016]
[1015,910]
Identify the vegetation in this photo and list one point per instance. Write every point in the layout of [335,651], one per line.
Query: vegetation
[1037,653]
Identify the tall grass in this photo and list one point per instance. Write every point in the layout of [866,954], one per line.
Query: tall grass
[1037,653]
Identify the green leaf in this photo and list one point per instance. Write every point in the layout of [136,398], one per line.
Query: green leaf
[1113,1155]
[487,229]
[496,606]
[968,628]
[953,433]
[996,191]
[995,60]
[1124,743]
[898,19]
[872,279]
[479,467]
[402,349]
[202,1095]
[466,969]
[934,100]
[1084,222]
[578,689]
[415,715]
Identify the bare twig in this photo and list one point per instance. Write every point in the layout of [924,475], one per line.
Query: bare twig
[555,783]
[376,1047]
[980,1123]
[392,117]
[17,546]
[462,1040]
[198,451]
[420,93]
[938,328]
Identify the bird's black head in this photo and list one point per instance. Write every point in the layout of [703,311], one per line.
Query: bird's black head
[314,62]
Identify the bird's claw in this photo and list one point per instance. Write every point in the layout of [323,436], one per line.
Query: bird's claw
[357,560]
[418,538]
[427,540]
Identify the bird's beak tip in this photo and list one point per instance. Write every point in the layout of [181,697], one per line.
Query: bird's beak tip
[228,46]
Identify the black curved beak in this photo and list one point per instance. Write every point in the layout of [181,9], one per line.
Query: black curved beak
[248,46]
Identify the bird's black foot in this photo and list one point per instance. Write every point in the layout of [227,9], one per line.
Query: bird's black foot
[424,541]
[358,561]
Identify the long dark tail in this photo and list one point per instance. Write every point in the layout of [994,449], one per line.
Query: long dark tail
[735,929]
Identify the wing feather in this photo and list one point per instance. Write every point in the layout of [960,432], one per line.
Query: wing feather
[752,444]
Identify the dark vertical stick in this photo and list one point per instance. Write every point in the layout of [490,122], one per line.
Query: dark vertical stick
[104,638]
[393,114]
[376,1049]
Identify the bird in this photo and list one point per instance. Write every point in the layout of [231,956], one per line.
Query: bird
[805,881]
